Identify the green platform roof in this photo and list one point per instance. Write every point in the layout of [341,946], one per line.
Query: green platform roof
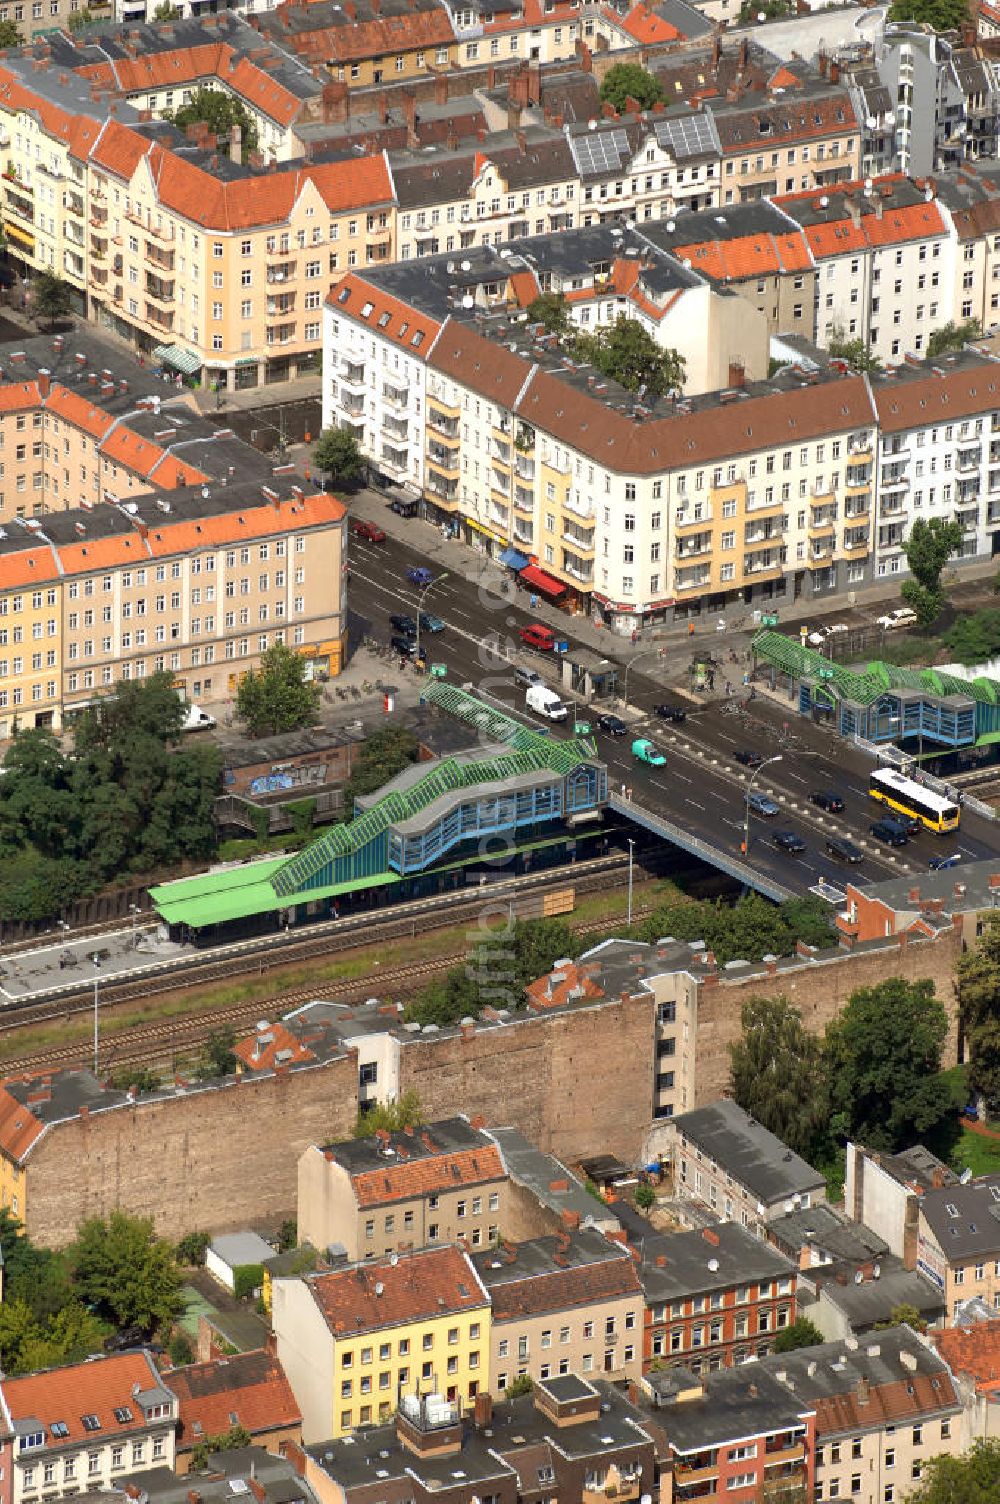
[864,686]
[240,893]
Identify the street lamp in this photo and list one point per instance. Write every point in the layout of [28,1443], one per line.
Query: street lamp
[646,653]
[753,778]
[420,606]
[135,911]
[631,848]
[95,958]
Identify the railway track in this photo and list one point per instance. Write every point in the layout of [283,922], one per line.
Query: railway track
[328,937]
[164,1042]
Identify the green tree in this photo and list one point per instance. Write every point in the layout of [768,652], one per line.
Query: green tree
[939,15]
[224,1441]
[166,12]
[552,311]
[338,455]
[72,1335]
[928,547]
[220,112]
[277,696]
[627,81]
[801,1333]
[125,1272]
[192,1248]
[393,1117]
[645,1197]
[952,336]
[777,1073]
[78,19]
[973,638]
[523,1384]
[136,1077]
[135,707]
[883,1060]
[858,355]
[904,1315]
[973,1478]
[765,10]
[9,34]
[625,352]
[977,984]
[180,1351]
[218,1058]
[52,297]
[384,754]
[288,1235]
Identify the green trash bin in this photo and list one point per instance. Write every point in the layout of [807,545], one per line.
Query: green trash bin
[581,728]
[439,670]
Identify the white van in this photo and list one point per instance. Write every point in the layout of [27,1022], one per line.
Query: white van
[545,702]
[196,719]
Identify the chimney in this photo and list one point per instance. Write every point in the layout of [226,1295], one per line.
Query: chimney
[483,1411]
[570,1220]
[440,89]
[737,373]
[744,53]
[236,144]
[710,1236]
[44,382]
[823,64]
[863,1390]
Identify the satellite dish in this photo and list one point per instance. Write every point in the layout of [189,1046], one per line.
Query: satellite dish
[858,1277]
[380,1288]
[713,1265]
[876,1271]
[671,225]
[965,1177]
[393,1260]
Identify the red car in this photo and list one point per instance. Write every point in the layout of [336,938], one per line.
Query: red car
[536,636]
[370,531]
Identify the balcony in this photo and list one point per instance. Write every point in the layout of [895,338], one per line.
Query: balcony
[895,480]
[764,508]
[283,272]
[73,202]
[860,450]
[158,290]
[890,538]
[820,555]
[396,428]
[819,526]
[442,487]
[394,396]
[968,458]
[967,518]
[754,537]
[160,256]
[764,566]
[159,316]
[857,477]
[98,214]
[98,247]
[703,520]
[354,406]
[394,459]
[280,306]
[692,579]
[352,375]
[19,205]
[443,423]
[525,467]
[689,548]
[279,334]
[858,506]
[780,1449]
[449,409]
[579,569]
[582,541]
[162,232]
[445,460]
[857,541]
[524,500]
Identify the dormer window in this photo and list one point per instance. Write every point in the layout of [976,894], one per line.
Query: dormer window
[32,1439]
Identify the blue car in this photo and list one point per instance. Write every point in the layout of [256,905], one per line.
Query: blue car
[942,863]
[419,576]
[430,623]
[762,805]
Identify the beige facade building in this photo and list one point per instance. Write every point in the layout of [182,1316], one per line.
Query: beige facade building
[374,1196]
[569,1304]
[958,1242]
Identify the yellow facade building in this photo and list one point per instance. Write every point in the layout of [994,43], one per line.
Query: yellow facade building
[355,1341]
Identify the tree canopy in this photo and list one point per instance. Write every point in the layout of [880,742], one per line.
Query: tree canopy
[858,355]
[801,1333]
[973,1478]
[777,1073]
[52,297]
[940,15]
[277,696]
[952,336]
[338,455]
[627,81]
[496,972]
[121,800]
[928,547]
[220,112]
[974,637]
[125,1272]
[883,1058]
[551,310]
[9,34]
[384,754]
[978,988]
[626,353]
[404,1112]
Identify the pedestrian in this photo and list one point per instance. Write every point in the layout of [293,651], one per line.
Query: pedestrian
[336,909]
[623,791]
[690,628]
[729,689]
[635,637]
[711,680]
[629,796]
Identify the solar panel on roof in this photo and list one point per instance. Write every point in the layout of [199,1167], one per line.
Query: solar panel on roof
[686,135]
[601,151]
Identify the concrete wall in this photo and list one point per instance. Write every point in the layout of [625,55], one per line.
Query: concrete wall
[216,1159]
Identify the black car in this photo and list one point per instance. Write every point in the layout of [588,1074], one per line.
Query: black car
[404,508]
[613,725]
[404,624]
[832,803]
[406,647]
[749,759]
[674,713]
[844,850]
[909,823]
[787,840]
[889,833]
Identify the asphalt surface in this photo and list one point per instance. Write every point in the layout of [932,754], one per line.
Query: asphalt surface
[702,787]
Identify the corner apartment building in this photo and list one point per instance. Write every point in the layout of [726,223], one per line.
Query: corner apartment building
[642,510]
[353,1341]
[724,1159]
[958,1241]
[884,1192]
[714,1298]
[569,1304]
[437,1183]
[71,1430]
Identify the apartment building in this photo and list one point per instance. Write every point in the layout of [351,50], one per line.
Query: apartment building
[884,1406]
[971,1352]
[367,42]
[713,1298]
[353,1341]
[639,506]
[884,1190]
[946,94]
[568,1304]
[646,168]
[569,1439]
[724,1159]
[432,1184]
[958,1241]
[885,258]
[83,1427]
[757,251]
[249,1385]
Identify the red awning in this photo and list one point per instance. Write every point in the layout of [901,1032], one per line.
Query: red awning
[539,580]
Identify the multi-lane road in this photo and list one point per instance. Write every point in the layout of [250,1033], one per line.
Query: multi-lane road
[702,787]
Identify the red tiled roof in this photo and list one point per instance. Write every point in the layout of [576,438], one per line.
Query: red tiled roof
[904,1400]
[417,1287]
[749,256]
[563,1289]
[250,1386]
[403,324]
[376,38]
[19,1128]
[565,985]
[424,1177]
[646,26]
[97,1387]
[258,1056]
[249,522]
[916,403]
[973,1350]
